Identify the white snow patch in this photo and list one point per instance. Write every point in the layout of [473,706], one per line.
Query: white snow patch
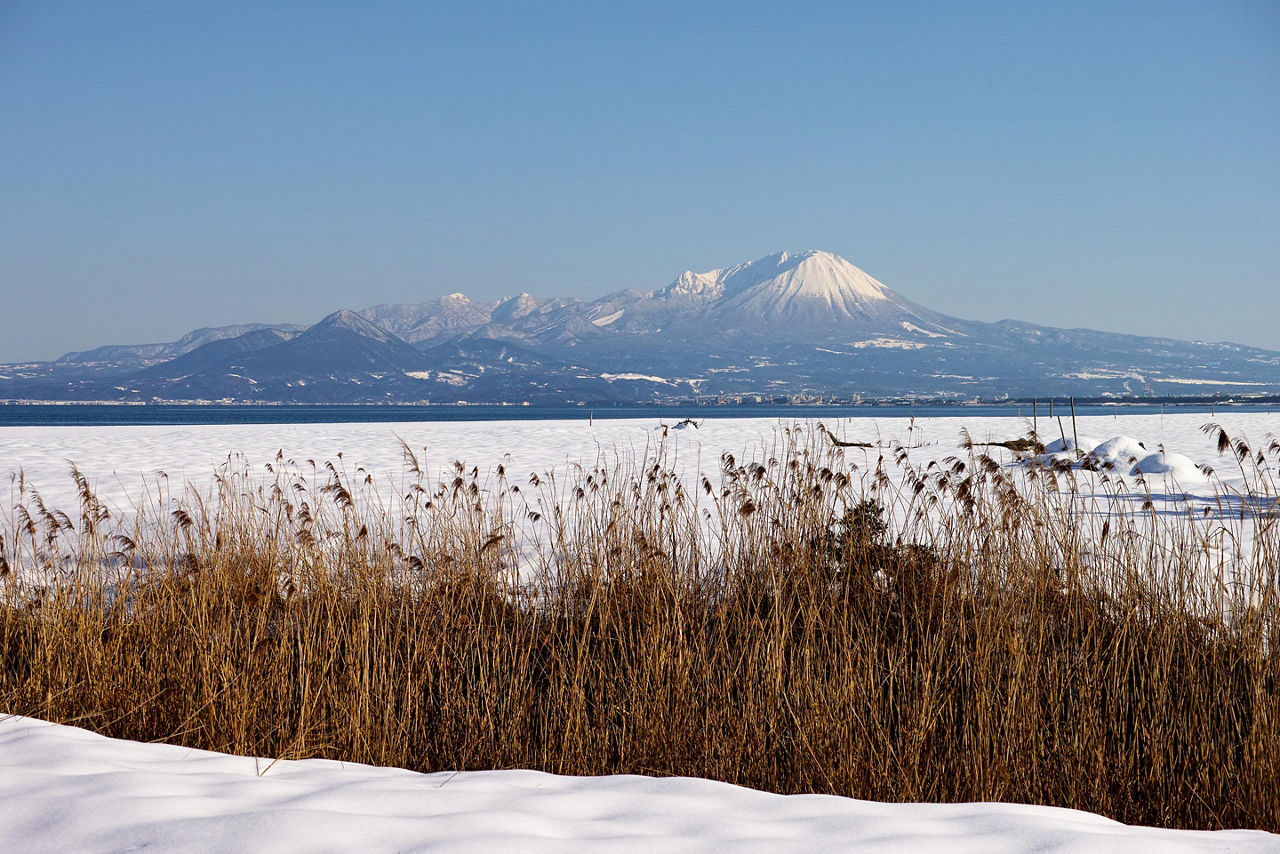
[642,377]
[1103,374]
[1058,446]
[887,343]
[67,789]
[418,375]
[1119,452]
[1201,382]
[707,284]
[911,327]
[609,318]
[1177,467]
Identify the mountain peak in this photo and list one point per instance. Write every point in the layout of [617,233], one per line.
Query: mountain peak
[788,258]
[816,274]
[690,283]
[343,318]
[783,278]
[347,320]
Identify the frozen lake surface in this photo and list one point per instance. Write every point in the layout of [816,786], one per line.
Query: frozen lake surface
[118,459]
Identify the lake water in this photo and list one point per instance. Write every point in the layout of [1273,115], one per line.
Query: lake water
[37,415]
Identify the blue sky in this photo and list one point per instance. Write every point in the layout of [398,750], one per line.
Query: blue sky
[165,166]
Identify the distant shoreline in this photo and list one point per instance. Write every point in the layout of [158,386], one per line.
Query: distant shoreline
[53,414]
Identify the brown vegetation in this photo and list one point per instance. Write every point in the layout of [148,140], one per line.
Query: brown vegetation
[763,626]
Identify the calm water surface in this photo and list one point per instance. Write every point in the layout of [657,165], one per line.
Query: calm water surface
[39,415]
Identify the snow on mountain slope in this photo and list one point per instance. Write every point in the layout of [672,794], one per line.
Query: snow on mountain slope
[416,322]
[346,320]
[709,285]
[140,353]
[780,295]
[811,274]
[514,308]
[802,288]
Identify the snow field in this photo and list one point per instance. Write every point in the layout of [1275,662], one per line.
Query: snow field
[121,463]
[1166,464]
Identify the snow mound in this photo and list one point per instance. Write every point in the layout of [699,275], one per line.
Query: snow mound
[1062,446]
[67,789]
[1065,451]
[1123,454]
[1173,466]
[1118,452]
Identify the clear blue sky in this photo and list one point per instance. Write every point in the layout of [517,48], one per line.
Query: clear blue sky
[171,165]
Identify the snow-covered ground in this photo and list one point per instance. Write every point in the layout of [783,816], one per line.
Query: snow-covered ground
[119,460]
[66,789]
[1165,459]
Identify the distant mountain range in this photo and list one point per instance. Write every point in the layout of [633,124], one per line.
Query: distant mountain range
[792,325]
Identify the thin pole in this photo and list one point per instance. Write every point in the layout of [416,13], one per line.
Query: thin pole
[1075,435]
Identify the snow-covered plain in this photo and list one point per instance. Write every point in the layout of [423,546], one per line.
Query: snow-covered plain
[1122,462]
[66,789]
[120,461]
[63,788]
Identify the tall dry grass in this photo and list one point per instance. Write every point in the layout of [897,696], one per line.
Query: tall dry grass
[800,621]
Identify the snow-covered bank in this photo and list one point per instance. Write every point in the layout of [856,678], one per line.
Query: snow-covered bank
[64,789]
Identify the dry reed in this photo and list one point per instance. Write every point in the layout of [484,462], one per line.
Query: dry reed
[954,632]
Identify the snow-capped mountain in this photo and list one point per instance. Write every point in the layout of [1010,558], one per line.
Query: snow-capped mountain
[790,324]
[778,296]
[786,281]
[809,288]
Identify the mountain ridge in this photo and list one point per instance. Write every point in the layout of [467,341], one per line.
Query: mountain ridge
[789,325]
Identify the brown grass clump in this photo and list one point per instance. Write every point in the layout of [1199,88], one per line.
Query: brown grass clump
[795,623]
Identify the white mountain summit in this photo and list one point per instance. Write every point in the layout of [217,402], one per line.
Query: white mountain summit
[809,287]
[811,273]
